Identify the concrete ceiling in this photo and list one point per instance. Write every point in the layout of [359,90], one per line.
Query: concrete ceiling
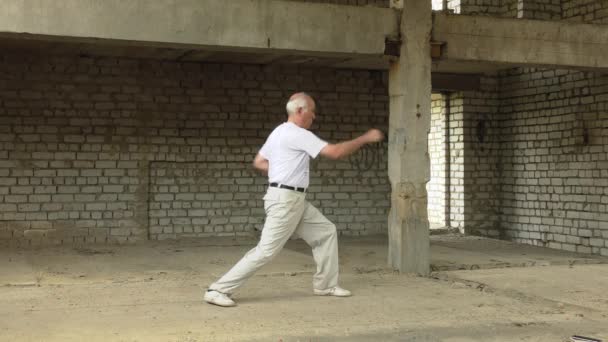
[103,48]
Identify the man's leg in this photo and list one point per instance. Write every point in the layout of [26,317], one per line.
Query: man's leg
[283,212]
[321,235]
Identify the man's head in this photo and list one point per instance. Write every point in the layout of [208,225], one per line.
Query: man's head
[301,110]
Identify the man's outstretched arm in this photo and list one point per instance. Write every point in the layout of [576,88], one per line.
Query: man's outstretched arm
[261,164]
[346,148]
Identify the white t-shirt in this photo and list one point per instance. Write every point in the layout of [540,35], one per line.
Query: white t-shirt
[288,150]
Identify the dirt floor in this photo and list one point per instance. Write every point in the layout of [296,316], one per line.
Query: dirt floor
[480,290]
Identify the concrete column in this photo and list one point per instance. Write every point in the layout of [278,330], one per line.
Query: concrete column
[409,125]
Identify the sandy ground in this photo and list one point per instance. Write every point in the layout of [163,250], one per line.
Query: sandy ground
[481,290]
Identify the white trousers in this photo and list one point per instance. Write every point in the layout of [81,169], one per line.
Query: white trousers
[288,213]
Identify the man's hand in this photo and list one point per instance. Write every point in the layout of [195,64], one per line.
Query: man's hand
[346,148]
[261,164]
[374,136]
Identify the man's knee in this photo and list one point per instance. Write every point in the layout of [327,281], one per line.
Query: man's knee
[332,230]
[266,253]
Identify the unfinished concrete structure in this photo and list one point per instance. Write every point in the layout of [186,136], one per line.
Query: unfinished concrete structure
[127,121]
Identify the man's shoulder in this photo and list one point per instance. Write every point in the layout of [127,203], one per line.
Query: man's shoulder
[296,130]
[293,133]
[277,129]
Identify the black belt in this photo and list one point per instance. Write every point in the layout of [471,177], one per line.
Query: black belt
[283,186]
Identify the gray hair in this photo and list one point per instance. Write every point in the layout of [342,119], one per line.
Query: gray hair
[296,102]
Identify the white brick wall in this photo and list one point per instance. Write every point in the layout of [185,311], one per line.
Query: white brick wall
[446,187]
[482,169]
[538,171]
[436,188]
[84,142]
[535,179]
[589,11]
[540,9]
[102,149]
[555,184]
[504,8]
[554,154]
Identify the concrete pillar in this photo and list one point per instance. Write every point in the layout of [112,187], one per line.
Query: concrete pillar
[409,125]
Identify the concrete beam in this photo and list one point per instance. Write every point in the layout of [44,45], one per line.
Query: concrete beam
[455,82]
[517,42]
[242,25]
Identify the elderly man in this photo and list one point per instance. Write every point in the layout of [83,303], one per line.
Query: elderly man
[285,157]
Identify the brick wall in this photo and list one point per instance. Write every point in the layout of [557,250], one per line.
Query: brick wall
[588,11]
[464,188]
[528,151]
[555,159]
[531,153]
[482,170]
[436,187]
[120,150]
[553,148]
[457,162]
[481,7]
[528,9]
[446,205]
[540,9]
[203,199]
[510,8]
[539,175]
[501,8]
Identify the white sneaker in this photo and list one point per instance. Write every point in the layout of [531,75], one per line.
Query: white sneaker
[336,291]
[218,298]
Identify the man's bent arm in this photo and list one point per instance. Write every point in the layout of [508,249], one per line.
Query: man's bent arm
[346,148]
[260,163]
